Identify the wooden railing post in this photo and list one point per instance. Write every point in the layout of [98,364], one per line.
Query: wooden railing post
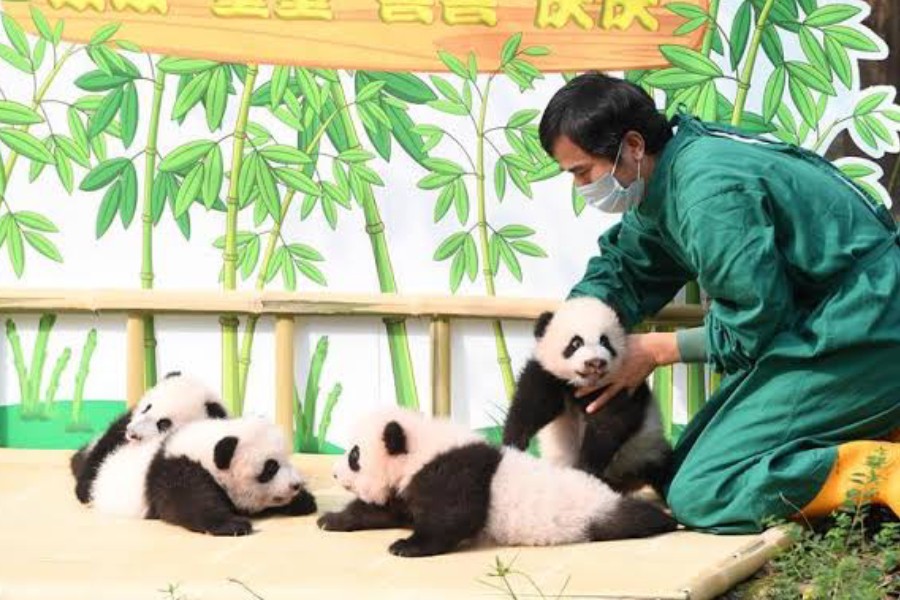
[284,375]
[440,366]
[134,359]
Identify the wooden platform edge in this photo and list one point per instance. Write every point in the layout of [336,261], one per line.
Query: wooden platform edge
[738,567]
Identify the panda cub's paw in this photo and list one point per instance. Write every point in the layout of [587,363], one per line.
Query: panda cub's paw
[415,545]
[232,527]
[335,521]
[302,504]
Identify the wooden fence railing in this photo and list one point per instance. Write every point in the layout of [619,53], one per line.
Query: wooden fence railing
[285,307]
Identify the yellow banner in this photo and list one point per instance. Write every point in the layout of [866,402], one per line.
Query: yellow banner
[391,35]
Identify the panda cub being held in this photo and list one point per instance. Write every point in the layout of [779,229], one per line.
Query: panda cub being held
[174,401]
[208,476]
[623,442]
[449,485]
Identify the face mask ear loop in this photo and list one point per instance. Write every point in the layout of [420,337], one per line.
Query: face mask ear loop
[616,162]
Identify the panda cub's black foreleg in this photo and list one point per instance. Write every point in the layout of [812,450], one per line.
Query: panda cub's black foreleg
[610,427]
[359,516]
[181,492]
[539,398]
[85,463]
[631,518]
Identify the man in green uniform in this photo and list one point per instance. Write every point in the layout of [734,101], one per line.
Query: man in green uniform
[803,273]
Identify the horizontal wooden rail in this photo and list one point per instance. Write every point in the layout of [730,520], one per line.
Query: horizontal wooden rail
[299,303]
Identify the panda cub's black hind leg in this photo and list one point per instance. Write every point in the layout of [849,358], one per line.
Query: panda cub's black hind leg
[359,515]
[631,518]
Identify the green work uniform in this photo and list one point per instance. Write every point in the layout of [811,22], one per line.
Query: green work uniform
[803,273]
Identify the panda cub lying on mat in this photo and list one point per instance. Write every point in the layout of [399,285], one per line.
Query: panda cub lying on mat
[449,485]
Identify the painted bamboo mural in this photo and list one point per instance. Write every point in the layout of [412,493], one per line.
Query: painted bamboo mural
[481,243]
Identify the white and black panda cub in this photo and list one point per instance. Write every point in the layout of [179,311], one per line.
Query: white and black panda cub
[208,476]
[449,485]
[174,401]
[623,443]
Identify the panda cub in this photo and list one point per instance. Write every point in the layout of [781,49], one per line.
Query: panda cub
[174,401]
[623,442]
[449,485]
[209,476]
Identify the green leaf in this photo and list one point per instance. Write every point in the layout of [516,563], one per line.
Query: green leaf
[213,176]
[404,86]
[40,48]
[892,114]
[831,14]
[772,46]
[14,113]
[192,93]
[522,117]
[285,155]
[509,259]
[186,156]
[280,77]
[865,133]
[289,275]
[216,98]
[814,52]
[312,272]
[330,212]
[461,201]
[275,264]
[707,102]
[16,35]
[158,197]
[434,181]
[297,180]
[515,231]
[688,11]
[189,190]
[457,269]
[754,123]
[451,108]
[43,245]
[35,170]
[472,66]
[869,103]
[536,51]
[673,79]
[803,100]
[103,174]
[310,89]
[857,170]
[249,257]
[690,60]
[445,199]
[305,252]
[16,249]
[33,220]
[454,64]
[185,66]
[500,179]
[447,90]
[64,170]
[470,254]
[128,46]
[692,25]
[369,91]
[839,60]
[810,77]
[104,33]
[355,156]
[109,207]
[14,59]
[27,145]
[129,114]
[401,127]
[878,128]
[98,145]
[450,245]
[518,179]
[128,203]
[851,38]
[444,166]
[99,81]
[100,120]
[510,47]
[41,24]
[528,248]
[268,190]
[774,93]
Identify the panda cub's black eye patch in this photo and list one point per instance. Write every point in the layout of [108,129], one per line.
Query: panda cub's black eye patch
[574,344]
[270,469]
[164,425]
[146,409]
[604,341]
[353,459]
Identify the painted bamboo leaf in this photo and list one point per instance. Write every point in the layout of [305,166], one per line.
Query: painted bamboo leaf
[26,144]
[457,269]
[810,77]
[311,272]
[692,25]
[41,24]
[186,156]
[509,259]
[268,190]
[500,179]
[101,119]
[528,248]
[16,35]
[43,245]
[444,201]
[213,176]
[14,113]
[869,103]
[16,249]
[470,254]
[104,33]
[14,59]
[772,45]
[188,96]
[461,201]
[814,52]
[72,150]
[774,92]
[216,97]
[674,78]
[803,100]
[831,15]
[64,170]
[129,113]
[189,190]
[454,64]
[298,181]
[103,174]
[690,60]
[285,155]
[515,231]
[851,38]
[839,60]
[185,66]
[108,208]
[35,221]
[740,33]
[450,246]
[404,86]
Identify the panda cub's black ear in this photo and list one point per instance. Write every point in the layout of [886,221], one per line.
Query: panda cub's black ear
[214,410]
[394,438]
[540,326]
[224,451]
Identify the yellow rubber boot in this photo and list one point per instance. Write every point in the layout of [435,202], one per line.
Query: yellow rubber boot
[850,465]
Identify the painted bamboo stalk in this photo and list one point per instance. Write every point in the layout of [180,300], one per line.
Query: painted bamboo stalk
[440,367]
[503,360]
[230,367]
[307,412]
[81,376]
[747,73]
[284,374]
[398,340]
[664,390]
[696,375]
[710,28]
[15,343]
[61,363]
[134,359]
[147,227]
[38,358]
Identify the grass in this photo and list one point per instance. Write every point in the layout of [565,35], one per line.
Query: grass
[55,430]
[502,577]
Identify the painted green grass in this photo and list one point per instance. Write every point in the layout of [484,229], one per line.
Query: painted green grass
[56,431]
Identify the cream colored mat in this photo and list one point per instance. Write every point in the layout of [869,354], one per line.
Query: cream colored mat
[53,548]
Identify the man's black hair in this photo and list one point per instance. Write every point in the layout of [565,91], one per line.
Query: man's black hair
[595,111]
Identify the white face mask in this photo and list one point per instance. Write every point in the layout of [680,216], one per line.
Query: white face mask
[608,195]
